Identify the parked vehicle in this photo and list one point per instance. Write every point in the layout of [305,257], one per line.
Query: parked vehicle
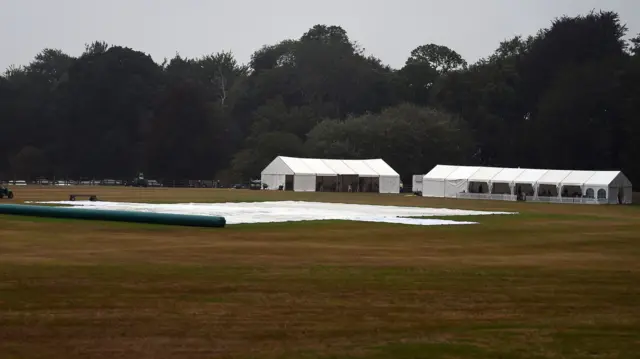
[255,185]
[6,192]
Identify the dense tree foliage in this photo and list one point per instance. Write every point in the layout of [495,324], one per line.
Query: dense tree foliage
[567,97]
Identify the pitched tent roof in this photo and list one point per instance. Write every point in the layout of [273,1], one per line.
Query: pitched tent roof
[381,167]
[318,167]
[553,177]
[286,166]
[507,175]
[339,167]
[608,178]
[440,172]
[485,174]
[462,173]
[329,167]
[530,176]
[298,166]
[577,178]
[361,168]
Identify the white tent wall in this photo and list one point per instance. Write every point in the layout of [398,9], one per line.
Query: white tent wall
[304,183]
[563,186]
[312,174]
[433,182]
[620,190]
[389,184]
[627,195]
[610,186]
[458,181]
[389,178]
[416,183]
[274,175]
[273,182]
[304,178]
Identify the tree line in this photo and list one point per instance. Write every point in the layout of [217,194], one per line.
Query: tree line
[566,98]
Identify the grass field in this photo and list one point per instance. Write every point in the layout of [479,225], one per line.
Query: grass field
[555,281]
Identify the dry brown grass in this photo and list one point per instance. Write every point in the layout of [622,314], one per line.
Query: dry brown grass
[556,281]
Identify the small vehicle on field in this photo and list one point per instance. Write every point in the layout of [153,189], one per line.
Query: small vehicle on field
[5,192]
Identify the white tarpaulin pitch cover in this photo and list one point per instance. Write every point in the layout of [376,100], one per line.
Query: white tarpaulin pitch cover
[291,211]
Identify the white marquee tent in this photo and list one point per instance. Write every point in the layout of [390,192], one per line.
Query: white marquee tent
[537,184]
[433,182]
[330,175]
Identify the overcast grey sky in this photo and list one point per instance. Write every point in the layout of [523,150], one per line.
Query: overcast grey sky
[389,29]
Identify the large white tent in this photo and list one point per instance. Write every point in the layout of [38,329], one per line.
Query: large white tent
[532,184]
[312,174]
[433,183]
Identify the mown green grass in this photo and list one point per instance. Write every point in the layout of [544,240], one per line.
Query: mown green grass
[554,281]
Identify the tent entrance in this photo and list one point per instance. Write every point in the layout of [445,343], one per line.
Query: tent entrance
[524,188]
[625,195]
[288,183]
[572,191]
[326,183]
[479,187]
[344,181]
[501,188]
[547,190]
[369,184]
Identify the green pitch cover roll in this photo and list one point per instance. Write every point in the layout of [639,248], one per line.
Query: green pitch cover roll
[111,215]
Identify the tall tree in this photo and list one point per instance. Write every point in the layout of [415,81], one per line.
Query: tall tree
[566,97]
[106,99]
[440,58]
[410,138]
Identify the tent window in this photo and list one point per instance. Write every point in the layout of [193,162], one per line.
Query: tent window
[590,193]
[602,194]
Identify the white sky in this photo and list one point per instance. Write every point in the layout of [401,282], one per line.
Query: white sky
[387,29]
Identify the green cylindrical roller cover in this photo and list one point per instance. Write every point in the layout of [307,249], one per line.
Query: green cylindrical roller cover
[111,215]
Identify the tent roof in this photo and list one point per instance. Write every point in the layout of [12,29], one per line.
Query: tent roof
[530,176]
[607,178]
[462,173]
[361,168]
[485,174]
[381,167]
[280,166]
[297,166]
[507,175]
[318,167]
[602,178]
[339,167]
[329,167]
[577,178]
[440,172]
[553,177]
